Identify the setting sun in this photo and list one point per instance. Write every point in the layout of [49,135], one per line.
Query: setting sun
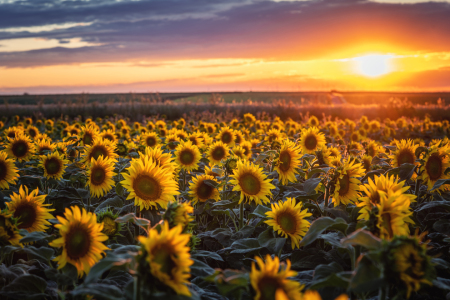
[373,65]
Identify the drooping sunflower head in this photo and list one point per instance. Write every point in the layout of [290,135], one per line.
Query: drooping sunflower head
[54,165]
[9,232]
[226,135]
[405,153]
[168,257]
[149,184]
[272,281]
[110,227]
[150,139]
[100,175]
[29,209]
[202,188]
[288,162]
[347,183]
[81,239]
[311,140]
[179,214]
[217,152]
[100,147]
[20,147]
[8,171]
[289,220]
[435,165]
[187,156]
[250,180]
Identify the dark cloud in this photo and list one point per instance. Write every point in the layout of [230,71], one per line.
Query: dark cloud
[168,29]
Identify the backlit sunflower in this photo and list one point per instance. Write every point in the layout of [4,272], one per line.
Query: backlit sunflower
[88,134]
[200,191]
[405,153]
[81,239]
[217,152]
[30,210]
[367,162]
[288,219]
[149,184]
[196,139]
[239,152]
[150,139]
[8,171]
[253,184]
[187,156]
[213,171]
[172,141]
[108,134]
[32,131]
[435,164]
[54,165]
[311,140]
[226,136]
[247,146]
[288,162]
[168,257]
[373,148]
[99,147]
[271,281]
[100,175]
[9,232]
[273,135]
[347,185]
[20,147]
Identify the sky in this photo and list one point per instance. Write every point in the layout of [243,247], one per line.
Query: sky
[121,46]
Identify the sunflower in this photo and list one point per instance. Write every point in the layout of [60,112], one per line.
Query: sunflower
[9,232]
[88,134]
[213,171]
[110,227]
[43,146]
[253,184]
[8,171]
[196,139]
[81,239]
[108,134]
[162,159]
[288,162]
[150,139]
[405,153]
[226,135]
[149,184]
[288,219]
[172,141]
[20,147]
[435,164]
[30,210]
[238,137]
[311,140]
[238,152]
[217,152]
[54,165]
[168,257]
[314,295]
[187,156]
[12,132]
[373,148]
[32,131]
[179,214]
[100,175]
[367,162]
[347,185]
[247,146]
[99,147]
[271,280]
[273,135]
[200,191]
[313,121]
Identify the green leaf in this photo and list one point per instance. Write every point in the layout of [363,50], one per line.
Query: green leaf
[246,246]
[310,185]
[119,189]
[111,202]
[268,240]
[404,172]
[211,183]
[260,212]
[434,204]
[43,254]
[439,183]
[206,254]
[367,277]
[201,269]
[133,219]
[330,275]
[26,286]
[442,226]
[34,237]
[362,238]
[319,226]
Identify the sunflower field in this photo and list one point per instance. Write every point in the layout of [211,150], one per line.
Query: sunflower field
[254,207]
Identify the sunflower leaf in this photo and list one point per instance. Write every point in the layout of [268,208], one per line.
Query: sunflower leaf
[362,238]
[319,226]
[439,183]
[260,212]
[367,277]
[268,240]
[34,237]
[310,185]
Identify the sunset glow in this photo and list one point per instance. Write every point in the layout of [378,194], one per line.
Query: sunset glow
[373,65]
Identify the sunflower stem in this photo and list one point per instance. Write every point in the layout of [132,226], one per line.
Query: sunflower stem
[241,215]
[382,293]
[327,192]
[417,189]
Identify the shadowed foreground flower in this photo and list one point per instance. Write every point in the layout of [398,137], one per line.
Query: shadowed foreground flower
[8,171]
[81,239]
[168,257]
[271,281]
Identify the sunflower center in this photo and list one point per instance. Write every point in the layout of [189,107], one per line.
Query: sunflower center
[434,167]
[11,134]
[187,157]
[250,184]
[151,141]
[109,226]
[405,156]
[32,132]
[163,257]
[78,242]
[26,214]
[98,175]
[310,142]
[20,148]
[268,287]
[285,159]
[147,188]
[87,138]
[344,185]
[218,153]
[3,170]
[204,191]
[287,222]
[226,137]
[375,198]
[108,137]
[97,151]
[52,166]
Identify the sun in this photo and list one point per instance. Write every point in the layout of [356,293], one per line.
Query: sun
[373,65]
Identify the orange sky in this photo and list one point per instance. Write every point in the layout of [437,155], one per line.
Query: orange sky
[144,46]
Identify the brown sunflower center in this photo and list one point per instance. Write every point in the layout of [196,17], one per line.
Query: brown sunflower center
[375,198]
[268,287]
[226,138]
[109,137]
[78,242]
[187,157]
[97,151]
[88,138]
[11,134]
[98,175]
[285,161]
[74,132]
[32,132]
[26,213]
[3,170]
[434,166]
[109,226]
[150,141]
[237,139]
[344,185]
[52,166]
[405,156]
[287,222]
[250,184]
[218,153]
[147,188]
[204,191]
[20,148]
[163,257]
[311,142]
